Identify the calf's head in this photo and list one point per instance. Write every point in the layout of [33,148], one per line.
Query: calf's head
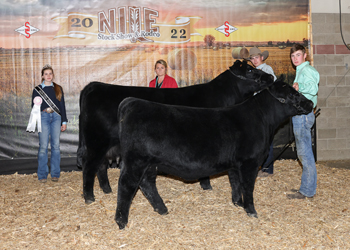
[286,94]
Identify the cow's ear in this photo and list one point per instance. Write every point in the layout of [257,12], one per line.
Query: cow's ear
[237,63]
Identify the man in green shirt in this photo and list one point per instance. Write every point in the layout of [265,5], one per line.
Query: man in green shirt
[306,82]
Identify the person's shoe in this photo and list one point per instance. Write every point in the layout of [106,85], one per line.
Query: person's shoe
[263,174]
[43,181]
[55,179]
[294,190]
[297,195]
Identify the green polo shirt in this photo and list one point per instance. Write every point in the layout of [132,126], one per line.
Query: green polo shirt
[308,78]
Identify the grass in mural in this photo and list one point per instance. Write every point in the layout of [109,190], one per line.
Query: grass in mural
[74,68]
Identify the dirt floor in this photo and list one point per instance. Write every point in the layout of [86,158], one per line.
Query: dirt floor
[54,215]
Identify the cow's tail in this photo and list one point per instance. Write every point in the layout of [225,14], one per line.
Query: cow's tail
[81,146]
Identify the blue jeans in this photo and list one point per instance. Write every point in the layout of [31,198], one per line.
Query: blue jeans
[50,128]
[302,125]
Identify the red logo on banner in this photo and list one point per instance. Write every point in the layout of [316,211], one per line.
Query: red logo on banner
[226,29]
[27,30]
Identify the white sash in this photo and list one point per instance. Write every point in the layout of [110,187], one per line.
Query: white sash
[35,115]
[47,100]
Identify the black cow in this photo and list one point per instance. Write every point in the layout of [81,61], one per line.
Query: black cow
[192,143]
[98,124]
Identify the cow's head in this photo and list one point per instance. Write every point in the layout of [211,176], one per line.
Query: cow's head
[286,94]
[245,71]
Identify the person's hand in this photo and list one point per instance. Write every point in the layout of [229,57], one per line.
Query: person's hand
[296,86]
[63,127]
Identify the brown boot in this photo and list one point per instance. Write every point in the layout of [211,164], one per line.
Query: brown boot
[297,195]
[263,174]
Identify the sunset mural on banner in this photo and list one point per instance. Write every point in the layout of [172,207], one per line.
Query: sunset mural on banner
[118,42]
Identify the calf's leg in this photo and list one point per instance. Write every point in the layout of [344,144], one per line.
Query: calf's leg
[235,181]
[128,184]
[102,176]
[91,163]
[149,189]
[248,173]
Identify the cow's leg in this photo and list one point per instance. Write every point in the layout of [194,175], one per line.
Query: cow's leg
[248,174]
[102,176]
[149,189]
[235,182]
[205,183]
[128,184]
[91,163]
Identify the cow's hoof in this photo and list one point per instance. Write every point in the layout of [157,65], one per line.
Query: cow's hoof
[107,190]
[88,201]
[165,213]
[207,187]
[255,215]
[238,204]
[121,226]
[162,211]
[120,223]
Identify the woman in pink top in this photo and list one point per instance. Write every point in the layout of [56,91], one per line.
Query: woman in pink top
[162,80]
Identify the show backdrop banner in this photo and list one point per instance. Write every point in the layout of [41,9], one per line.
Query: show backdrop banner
[118,42]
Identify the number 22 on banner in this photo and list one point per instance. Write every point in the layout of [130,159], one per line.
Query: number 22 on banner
[175,35]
